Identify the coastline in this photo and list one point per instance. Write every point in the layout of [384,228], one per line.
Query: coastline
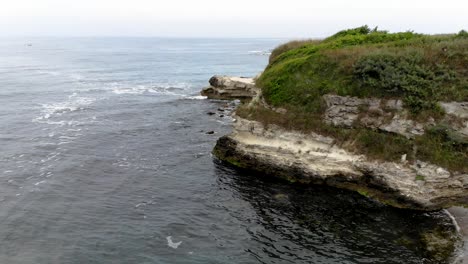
[248,133]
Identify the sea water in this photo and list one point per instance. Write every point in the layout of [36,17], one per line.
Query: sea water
[104,158]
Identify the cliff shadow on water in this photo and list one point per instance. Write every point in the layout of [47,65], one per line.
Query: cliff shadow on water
[303,223]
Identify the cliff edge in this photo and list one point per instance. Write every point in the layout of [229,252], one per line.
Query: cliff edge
[383,114]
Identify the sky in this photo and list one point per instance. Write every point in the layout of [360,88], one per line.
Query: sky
[226,18]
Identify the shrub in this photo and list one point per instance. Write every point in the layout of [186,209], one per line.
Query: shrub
[363,30]
[462,34]
[289,46]
[403,76]
[442,146]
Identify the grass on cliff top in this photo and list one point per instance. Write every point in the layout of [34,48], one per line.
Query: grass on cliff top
[420,69]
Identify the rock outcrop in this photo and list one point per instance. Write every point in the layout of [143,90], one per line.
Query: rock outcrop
[312,158]
[229,88]
[389,115]
[459,112]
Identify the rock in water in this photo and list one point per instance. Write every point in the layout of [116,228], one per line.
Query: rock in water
[228,88]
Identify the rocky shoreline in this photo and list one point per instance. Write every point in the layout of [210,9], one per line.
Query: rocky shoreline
[315,159]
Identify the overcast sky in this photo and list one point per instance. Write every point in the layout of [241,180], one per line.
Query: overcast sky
[226,18]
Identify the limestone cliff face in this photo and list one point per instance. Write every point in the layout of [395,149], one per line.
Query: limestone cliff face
[312,158]
[228,88]
[389,115]
[316,159]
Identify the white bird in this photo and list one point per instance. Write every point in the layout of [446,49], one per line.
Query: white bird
[172,244]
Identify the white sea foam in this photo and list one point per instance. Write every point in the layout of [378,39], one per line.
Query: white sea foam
[40,182]
[260,52]
[76,76]
[54,73]
[196,97]
[49,72]
[172,244]
[59,123]
[176,89]
[74,103]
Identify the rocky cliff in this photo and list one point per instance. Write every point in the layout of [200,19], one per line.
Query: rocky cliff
[383,114]
[313,158]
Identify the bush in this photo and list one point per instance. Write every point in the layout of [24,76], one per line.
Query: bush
[462,34]
[403,76]
[442,146]
[289,46]
[363,30]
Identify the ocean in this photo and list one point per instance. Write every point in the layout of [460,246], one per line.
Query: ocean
[105,158]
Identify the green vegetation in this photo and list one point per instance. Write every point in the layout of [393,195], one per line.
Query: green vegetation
[441,146]
[420,178]
[364,193]
[289,46]
[439,243]
[419,69]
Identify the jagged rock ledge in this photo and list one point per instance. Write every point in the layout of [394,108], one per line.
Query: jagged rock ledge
[229,88]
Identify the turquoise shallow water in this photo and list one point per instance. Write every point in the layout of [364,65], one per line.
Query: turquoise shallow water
[104,158]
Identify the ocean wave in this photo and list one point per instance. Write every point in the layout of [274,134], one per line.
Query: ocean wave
[196,97]
[56,73]
[48,72]
[73,104]
[260,52]
[176,89]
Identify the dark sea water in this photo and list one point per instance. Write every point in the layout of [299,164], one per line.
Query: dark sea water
[104,158]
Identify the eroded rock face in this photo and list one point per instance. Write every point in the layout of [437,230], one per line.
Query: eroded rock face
[312,158]
[389,115]
[228,88]
[459,110]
